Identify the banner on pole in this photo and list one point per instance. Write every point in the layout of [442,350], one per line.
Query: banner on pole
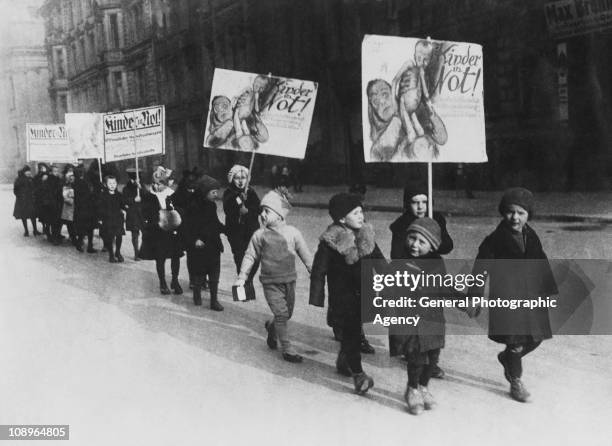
[134,133]
[268,114]
[85,135]
[48,142]
[422,100]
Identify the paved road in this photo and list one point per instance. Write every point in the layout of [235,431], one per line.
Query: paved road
[94,345]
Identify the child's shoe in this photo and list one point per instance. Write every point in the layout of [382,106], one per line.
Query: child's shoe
[428,400]
[414,399]
[163,288]
[176,286]
[518,390]
[342,366]
[366,347]
[271,339]
[362,382]
[293,357]
[437,372]
[120,258]
[197,296]
[501,357]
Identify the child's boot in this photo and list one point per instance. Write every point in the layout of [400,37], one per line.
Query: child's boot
[414,399]
[518,390]
[428,400]
[362,382]
[501,357]
[342,366]
[163,287]
[271,339]
[197,294]
[111,255]
[214,301]
[176,286]
[119,257]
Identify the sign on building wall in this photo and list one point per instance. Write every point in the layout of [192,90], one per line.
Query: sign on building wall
[48,142]
[567,18]
[85,135]
[422,100]
[134,133]
[268,114]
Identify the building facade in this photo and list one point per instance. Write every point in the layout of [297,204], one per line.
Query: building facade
[106,55]
[24,79]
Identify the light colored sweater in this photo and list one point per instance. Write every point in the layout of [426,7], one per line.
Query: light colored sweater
[276,247]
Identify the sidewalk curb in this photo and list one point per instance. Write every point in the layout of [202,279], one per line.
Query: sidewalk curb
[560,218]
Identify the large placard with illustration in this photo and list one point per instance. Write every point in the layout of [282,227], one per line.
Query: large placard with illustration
[262,113]
[422,100]
[85,135]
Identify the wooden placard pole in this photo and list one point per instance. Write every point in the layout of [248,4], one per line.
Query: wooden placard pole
[429,190]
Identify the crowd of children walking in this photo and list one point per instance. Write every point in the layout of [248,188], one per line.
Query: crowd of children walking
[173,223]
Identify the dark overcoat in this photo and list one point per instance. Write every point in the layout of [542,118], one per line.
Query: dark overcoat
[85,206]
[515,278]
[201,222]
[240,229]
[338,258]
[429,333]
[398,235]
[133,218]
[157,243]
[23,188]
[110,207]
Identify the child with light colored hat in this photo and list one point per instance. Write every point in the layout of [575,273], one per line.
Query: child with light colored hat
[276,246]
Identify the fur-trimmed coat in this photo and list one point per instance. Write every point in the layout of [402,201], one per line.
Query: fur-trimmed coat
[338,258]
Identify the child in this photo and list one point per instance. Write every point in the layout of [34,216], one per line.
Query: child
[202,229]
[343,245]
[160,238]
[132,194]
[422,344]
[23,188]
[521,330]
[110,216]
[241,207]
[275,246]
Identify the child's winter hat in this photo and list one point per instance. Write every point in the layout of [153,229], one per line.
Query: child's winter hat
[413,188]
[161,175]
[343,203]
[428,228]
[519,196]
[277,202]
[207,183]
[235,170]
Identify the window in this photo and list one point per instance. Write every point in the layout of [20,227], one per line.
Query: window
[62,105]
[118,87]
[84,55]
[12,81]
[114,31]
[141,81]
[17,142]
[60,63]
[92,47]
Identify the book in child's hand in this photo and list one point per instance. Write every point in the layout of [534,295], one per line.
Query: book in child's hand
[238,293]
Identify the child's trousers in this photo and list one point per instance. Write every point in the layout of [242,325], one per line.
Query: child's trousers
[420,365]
[281,299]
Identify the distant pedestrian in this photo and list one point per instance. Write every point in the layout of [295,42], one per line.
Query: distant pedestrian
[67,216]
[241,208]
[23,188]
[132,196]
[111,218]
[276,246]
[521,330]
[160,237]
[86,196]
[202,229]
[342,247]
[42,175]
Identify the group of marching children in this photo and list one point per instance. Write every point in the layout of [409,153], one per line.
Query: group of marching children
[186,221]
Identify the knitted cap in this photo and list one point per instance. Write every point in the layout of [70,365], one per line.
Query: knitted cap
[235,170]
[412,189]
[207,183]
[277,203]
[343,203]
[428,228]
[519,196]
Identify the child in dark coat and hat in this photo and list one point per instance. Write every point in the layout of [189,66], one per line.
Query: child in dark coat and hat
[342,247]
[23,188]
[201,232]
[514,240]
[111,218]
[421,344]
[132,194]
